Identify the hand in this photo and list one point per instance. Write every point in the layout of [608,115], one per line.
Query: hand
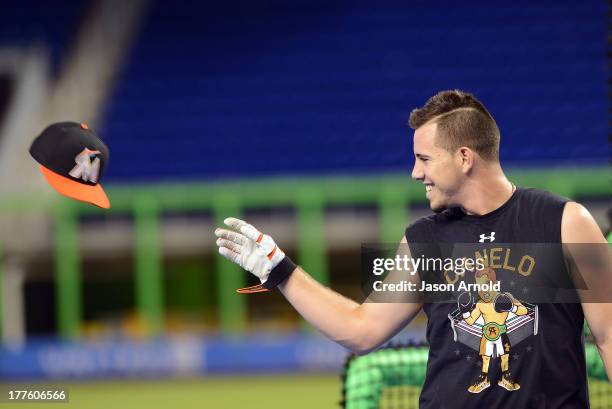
[503,303]
[465,303]
[249,248]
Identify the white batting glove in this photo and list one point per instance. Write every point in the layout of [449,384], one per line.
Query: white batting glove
[254,251]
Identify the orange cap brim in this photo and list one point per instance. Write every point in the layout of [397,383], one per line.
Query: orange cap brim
[93,194]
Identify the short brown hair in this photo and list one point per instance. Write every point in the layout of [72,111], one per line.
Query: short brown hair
[462,121]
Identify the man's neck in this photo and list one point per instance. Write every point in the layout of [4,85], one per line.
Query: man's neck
[485,195]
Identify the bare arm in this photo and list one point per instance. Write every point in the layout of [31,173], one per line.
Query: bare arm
[359,327]
[474,315]
[578,226]
[520,308]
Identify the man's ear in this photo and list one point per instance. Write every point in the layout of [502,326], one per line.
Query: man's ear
[466,158]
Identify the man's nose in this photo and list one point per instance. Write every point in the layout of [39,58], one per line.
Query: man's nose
[417,172]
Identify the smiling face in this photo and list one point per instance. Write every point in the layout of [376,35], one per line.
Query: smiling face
[440,171]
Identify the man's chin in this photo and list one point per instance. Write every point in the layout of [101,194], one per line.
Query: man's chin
[437,208]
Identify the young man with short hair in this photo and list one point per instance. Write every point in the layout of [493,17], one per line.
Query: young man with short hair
[456,146]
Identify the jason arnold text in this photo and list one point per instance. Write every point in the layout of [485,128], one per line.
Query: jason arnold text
[429,287]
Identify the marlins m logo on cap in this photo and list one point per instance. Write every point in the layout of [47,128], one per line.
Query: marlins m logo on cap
[86,169]
[72,159]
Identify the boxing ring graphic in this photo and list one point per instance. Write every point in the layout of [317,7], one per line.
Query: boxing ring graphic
[518,327]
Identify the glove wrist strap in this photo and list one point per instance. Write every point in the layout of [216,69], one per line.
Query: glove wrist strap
[278,274]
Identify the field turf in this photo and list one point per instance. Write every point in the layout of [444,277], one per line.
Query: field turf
[231,392]
[239,392]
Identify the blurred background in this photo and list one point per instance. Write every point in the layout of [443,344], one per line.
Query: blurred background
[291,115]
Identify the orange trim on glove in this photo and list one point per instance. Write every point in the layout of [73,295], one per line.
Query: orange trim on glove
[271,254]
[253,289]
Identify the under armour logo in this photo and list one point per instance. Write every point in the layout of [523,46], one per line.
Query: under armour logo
[484,237]
[85,168]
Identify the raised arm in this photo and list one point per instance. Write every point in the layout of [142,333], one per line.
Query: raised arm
[520,308]
[359,327]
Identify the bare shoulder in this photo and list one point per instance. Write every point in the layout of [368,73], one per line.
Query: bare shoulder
[579,226]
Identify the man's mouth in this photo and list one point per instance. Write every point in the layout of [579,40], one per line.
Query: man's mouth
[428,187]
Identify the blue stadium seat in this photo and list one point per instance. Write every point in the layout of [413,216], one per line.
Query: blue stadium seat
[326,87]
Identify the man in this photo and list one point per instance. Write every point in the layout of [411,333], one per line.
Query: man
[456,146]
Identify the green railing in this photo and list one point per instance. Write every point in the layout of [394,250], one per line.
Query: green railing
[392,194]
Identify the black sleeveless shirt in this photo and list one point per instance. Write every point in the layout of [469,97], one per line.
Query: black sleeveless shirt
[546,357]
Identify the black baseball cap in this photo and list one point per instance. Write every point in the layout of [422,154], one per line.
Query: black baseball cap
[72,159]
